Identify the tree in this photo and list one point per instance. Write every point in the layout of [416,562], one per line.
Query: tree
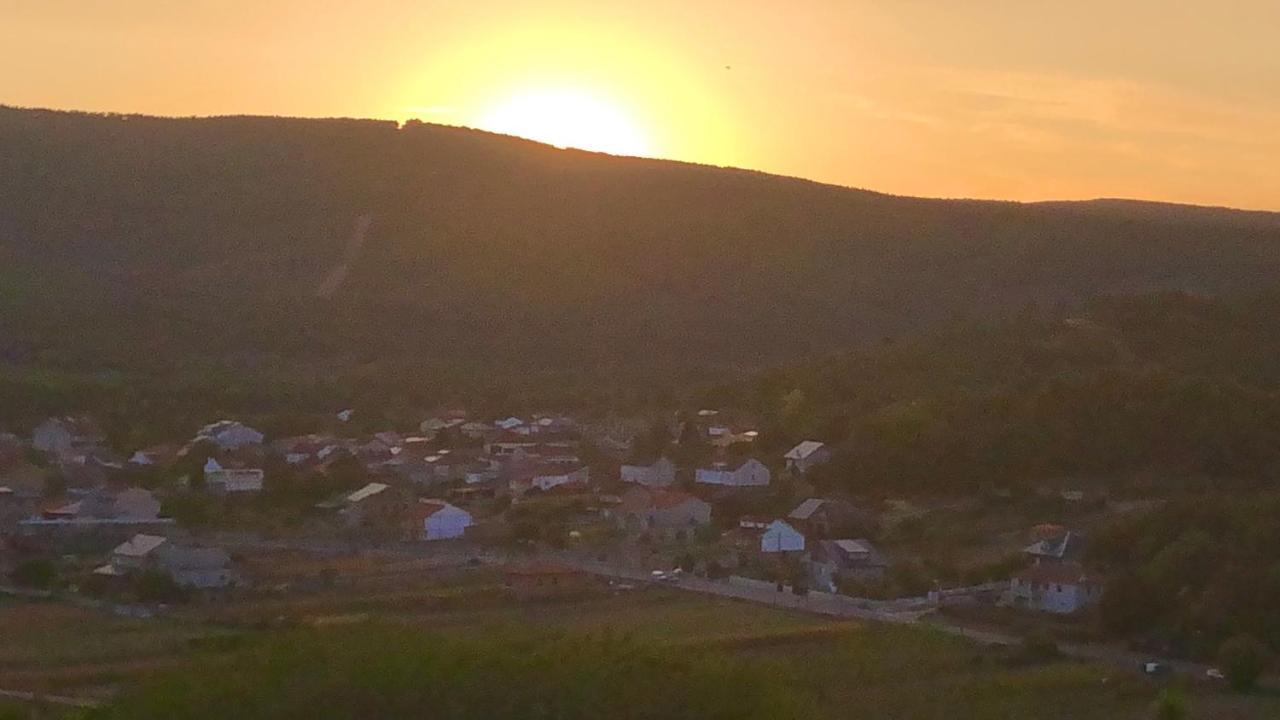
[1242,659]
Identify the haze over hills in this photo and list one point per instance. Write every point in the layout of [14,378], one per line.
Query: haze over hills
[137,242]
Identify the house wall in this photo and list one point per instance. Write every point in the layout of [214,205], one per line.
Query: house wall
[446,524]
[1055,597]
[752,473]
[781,538]
[660,474]
[51,437]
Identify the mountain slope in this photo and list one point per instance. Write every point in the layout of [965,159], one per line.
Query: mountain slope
[136,241]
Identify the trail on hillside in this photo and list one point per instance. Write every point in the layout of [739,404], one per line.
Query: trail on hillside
[338,274]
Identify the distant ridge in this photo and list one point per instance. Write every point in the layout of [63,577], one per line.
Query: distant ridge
[132,241]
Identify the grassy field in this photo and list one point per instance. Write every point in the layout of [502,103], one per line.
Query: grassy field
[855,670]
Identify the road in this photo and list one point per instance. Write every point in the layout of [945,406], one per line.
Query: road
[816,603]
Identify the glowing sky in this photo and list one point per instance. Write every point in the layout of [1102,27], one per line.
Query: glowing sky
[1160,99]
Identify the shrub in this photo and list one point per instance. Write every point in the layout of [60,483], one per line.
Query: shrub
[35,574]
[1170,705]
[1242,659]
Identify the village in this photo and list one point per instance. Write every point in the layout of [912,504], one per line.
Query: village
[688,497]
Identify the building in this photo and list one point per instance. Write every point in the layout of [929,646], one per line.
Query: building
[1055,587]
[58,436]
[137,553]
[436,520]
[373,504]
[659,473]
[1054,544]
[230,481]
[822,518]
[807,455]
[546,580]
[195,568]
[552,475]
[832,562]
[189,567]
[770,537]
[230,435]
[663,509]
[746,472]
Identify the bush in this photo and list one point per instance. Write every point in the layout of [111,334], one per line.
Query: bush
[1242,659]
[153,586]
[1170,705]
[41,574]
[1038,647]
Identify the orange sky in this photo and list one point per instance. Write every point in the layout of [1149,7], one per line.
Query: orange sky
[1155,99]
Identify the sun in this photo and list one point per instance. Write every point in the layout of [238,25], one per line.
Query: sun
[567,118]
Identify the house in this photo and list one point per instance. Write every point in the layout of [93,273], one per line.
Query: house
[834,561]
[658,473]
[198,568]
[195,568]
[57,436]
[546,580]
[1054,544]
[807,455]
[762,535]
[137,553]
[1055,587]
[547,476]
[820,517]
[136,504]
[436,520]
[156,456]
[230,435]
[446,466]
[228,481]
[781,537]
[666,509]
[746,472]
[373,504]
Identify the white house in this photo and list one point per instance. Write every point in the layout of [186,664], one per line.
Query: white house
[136,553]
[229,434]
[780,537]
[660,473]
[230,481]
[554,474]
[437,520]
[807,455]
[1061,588]
[739,473]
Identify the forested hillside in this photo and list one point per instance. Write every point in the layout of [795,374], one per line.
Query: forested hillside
[1164,390]
[140,243]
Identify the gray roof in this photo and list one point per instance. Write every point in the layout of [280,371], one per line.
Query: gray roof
[807,508]
[139,545]
[804,450]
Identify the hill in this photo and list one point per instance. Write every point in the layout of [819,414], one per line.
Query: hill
[1133,395]
[144,243]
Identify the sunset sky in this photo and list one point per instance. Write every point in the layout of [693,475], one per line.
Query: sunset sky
[1024,100]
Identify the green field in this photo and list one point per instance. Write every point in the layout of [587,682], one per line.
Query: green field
[851,669]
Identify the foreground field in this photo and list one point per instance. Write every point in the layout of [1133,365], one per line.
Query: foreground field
[850,669]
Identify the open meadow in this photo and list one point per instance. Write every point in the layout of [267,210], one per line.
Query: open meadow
[852,669]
